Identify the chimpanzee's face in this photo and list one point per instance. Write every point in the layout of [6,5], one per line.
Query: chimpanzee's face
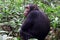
[27,9]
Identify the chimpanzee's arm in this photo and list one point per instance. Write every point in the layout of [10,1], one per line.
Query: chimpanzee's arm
[29,21]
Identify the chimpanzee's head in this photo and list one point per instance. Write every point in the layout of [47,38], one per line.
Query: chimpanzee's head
[29,8]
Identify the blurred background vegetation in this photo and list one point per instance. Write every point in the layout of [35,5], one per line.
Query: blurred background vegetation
[11,13]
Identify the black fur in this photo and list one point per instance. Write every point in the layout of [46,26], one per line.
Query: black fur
[36,25]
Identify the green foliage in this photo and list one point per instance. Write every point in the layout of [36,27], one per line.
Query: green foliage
[11,11]
[53,14]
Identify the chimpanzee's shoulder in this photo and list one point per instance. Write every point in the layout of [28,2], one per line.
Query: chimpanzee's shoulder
[33,14]
[35,11]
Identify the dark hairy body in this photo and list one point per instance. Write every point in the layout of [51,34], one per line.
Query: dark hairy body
[36,25]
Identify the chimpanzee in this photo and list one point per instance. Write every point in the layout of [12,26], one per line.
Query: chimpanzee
[36,24]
